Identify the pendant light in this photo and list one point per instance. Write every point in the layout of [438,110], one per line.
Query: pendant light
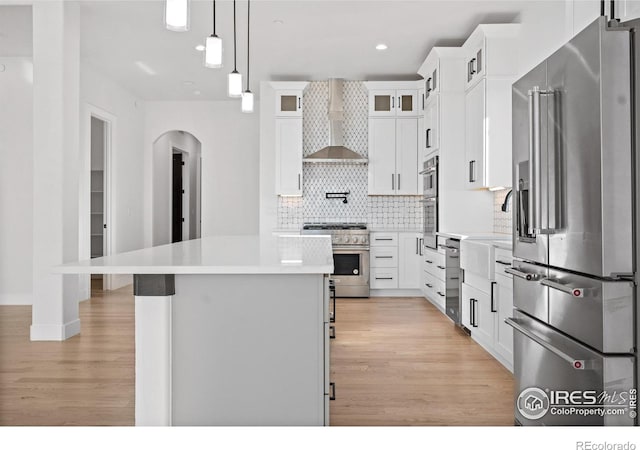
[247,95]
[234,86]
[213,48]
[176,15]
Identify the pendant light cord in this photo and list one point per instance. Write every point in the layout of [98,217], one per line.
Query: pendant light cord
[214,17]
[235,69]
[248,16]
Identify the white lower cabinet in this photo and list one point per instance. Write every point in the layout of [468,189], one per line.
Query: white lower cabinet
[504,333]
[395,260]
[435,277]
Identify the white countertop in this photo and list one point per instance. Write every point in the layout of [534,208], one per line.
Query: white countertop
[488,236]
[219,255]
[389,229]
[506,245]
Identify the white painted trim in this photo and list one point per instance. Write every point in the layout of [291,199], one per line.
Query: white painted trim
[51,332]
[153,360]
[289,85]
[395,293]
[390,85]
[16,299]
[90,110]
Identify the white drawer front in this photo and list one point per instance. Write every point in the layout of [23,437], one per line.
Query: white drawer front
[378,239]
[384,278]
[383,257]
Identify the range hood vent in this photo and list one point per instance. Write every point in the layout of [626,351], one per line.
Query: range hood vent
[335,152]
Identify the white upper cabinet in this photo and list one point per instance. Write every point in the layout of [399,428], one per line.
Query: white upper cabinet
[393,99]
[421,99]
[288,137]
[431,127]
[491,51]
[491,69]
[407,156]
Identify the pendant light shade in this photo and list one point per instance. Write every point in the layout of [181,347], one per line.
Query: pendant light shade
[213,47]
[247,95]
[176,15]
[234,86]
[247,102]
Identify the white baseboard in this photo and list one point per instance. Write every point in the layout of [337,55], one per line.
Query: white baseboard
[55,332]
[395,293]
[16,299]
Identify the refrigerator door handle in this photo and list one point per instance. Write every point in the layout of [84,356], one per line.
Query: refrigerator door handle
[523,275]
[573,291]
[534,160]
[578,364]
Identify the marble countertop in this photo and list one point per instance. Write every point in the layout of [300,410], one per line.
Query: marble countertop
[219,255]
[488,236]
[389,229]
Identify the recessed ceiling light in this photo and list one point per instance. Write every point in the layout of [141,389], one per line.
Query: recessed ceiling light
[278,21]
[188,83]
[200,47]
[381,47]
[145,68]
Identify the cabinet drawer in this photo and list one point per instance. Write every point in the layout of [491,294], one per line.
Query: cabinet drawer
[435,290]
[384,239]
[504,279]
[433,260]
[384,257]
[384,278]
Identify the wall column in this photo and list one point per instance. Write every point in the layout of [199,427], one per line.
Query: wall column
[56,101]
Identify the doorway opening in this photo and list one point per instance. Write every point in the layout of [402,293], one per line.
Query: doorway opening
[177,164]
[98,156]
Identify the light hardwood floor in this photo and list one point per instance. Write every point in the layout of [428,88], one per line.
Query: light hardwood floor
[395,362]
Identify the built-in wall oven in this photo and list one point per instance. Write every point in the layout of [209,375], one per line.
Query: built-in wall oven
[430,201]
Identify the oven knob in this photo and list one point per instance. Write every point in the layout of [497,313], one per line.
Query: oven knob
[348,240]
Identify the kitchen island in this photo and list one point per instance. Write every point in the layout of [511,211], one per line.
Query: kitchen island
[230,330]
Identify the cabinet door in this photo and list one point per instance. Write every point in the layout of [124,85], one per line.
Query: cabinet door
[467,307]
[407,156]
[485,317]
[409,260]
[504,333]
[382,156]
[432,84]
[382,103]
[421,102]
[475,136]
[421,152]
[288,103]
[432,134]
[407,101]
[289,156]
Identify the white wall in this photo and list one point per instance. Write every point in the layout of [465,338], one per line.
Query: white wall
[16,181]
[162,182]
[127,163]
[230,157]
[268,197]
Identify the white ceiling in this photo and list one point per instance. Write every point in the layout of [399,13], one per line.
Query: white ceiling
[316,40]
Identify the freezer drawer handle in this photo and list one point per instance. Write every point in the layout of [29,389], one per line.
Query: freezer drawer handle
[523,275]
[332,332]
[504,263]
[573,291]
[578,364]
[332,390]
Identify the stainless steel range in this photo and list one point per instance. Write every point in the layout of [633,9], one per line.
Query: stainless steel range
[350,255]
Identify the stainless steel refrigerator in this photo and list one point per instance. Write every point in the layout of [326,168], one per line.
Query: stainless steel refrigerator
[574,238]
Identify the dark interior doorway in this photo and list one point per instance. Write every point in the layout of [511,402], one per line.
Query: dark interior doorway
[177,193]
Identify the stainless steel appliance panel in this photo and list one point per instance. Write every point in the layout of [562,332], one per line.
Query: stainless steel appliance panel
[529,295]
[529,138]
[590,168]
[546,359]
[453,279]
[351,272]
[430,220]
[430,177]
[596,312]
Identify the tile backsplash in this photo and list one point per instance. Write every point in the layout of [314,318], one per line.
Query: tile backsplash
[502,221]
[403,212]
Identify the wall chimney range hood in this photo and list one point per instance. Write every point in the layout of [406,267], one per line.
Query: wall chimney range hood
[335,152]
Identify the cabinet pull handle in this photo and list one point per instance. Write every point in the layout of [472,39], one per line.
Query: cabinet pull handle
[441,294]
[393,102]
[475,310]
[441,267]
[428,262]
[398,181]
[428,138]
[384,257]
[472,171]
[332,391]
[332,332]
[384,239]
[504,263]
[428,285]
[400,103]
[299,184]
[493,304]
[421,245]
[417,241]
[393,182]
[471,311]
[384,278]
[299,102]
[473,65]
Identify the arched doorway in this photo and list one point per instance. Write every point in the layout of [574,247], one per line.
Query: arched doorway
[176,178]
